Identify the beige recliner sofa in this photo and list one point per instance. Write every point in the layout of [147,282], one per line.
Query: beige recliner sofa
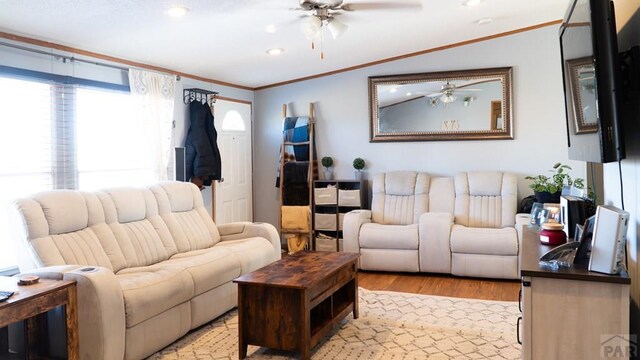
[150,263]
[463,225]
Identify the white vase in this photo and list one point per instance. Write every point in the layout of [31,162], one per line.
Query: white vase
[328,174]
[357,174]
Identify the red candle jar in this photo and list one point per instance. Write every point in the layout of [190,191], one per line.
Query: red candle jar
[552,234]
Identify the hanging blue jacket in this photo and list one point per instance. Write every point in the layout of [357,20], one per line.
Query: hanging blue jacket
[201,148]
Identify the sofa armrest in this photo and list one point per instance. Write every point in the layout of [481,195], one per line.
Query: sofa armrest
[52,272]
[243,230]
[101,315]
[434,247]
[351,224]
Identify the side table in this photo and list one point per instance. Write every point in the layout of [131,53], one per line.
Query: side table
[31,303]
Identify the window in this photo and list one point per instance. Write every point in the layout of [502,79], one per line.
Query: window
[111,145]
[233,121]
[59,135]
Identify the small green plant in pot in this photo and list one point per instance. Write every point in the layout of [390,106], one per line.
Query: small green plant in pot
[548,189]
[327,162]
[358,164]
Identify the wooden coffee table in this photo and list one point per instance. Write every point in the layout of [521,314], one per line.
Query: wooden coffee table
[293,303]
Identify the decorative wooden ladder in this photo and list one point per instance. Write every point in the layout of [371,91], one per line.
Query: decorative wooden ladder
[310,173]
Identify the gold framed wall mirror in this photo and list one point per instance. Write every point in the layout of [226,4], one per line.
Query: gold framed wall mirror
[452,105]
[583,92]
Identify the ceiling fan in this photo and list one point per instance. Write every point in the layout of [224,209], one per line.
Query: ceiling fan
[446,93]
[321,13]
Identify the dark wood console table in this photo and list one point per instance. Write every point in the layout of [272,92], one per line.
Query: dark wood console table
[293,303]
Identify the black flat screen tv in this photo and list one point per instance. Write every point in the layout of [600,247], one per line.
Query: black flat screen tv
[591,72]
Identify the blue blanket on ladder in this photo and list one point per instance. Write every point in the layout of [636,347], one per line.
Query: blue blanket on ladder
[296,129]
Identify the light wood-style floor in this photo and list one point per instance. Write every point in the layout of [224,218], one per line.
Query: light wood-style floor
[442,285]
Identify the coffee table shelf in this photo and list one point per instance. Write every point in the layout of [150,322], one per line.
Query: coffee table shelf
[293,303]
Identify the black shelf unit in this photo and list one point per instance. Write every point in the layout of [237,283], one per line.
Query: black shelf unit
[331,200]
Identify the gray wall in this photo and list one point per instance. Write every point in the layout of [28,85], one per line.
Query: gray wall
[342,118]
[628,21]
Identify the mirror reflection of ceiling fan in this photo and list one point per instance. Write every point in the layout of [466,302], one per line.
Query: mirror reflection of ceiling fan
[323,13]
[448,90]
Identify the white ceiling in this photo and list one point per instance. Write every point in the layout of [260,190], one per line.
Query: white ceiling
[226,40]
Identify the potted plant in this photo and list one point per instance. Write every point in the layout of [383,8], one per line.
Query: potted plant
[358,164]
[547,189]
[327,162]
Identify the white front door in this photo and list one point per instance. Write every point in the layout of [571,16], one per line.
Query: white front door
[234,200]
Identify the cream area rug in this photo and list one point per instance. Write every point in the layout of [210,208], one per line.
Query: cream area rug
[391,326]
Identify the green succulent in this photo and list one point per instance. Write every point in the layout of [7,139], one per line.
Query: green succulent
[554,183]
[327,161]
[358,163]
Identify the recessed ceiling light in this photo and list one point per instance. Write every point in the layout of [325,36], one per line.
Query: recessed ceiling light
[484,21]
[471,2]
[270,28]
[393,90]
[177,11]
[276,51]
[409,94]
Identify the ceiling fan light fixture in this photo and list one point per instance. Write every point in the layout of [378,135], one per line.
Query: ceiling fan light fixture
[311,27]
[447,98]
[276,51]
[177,11]
[470,3]
[337,28]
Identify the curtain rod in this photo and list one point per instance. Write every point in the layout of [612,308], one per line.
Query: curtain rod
[70,58]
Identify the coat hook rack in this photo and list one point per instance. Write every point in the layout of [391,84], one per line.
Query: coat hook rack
[201,95]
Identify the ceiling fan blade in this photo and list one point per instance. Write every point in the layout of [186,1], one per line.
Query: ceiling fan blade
[434,94]
[463,90]
[381,6]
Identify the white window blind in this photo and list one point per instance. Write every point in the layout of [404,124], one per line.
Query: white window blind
[65,136]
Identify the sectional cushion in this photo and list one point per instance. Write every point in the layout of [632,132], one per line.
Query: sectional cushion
[253,253]
[208,269]
[188,222]
[56,227]
[132,215]
[379,236]
[151,290]
[65,211]
[468,240]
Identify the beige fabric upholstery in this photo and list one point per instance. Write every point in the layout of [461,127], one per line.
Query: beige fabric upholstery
[386,259]
[389,237]
[484,241]
[377,236]
[188,222]
[434,249]
[464,225]
[399,197]
[485,266]
[486,199]
[150,263]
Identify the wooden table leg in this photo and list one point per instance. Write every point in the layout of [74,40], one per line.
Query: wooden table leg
[355,294]
[305,308]
[36,337]
[242,344]
[71,315]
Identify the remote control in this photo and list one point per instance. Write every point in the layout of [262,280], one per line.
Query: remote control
[4,295]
